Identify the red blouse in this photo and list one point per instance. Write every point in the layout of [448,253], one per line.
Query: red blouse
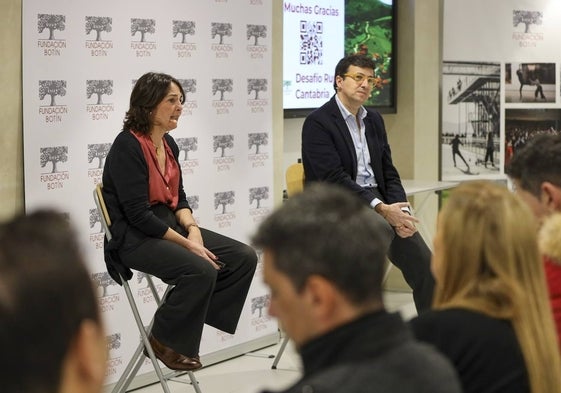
[162,187]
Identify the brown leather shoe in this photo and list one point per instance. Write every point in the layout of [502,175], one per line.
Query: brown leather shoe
[172,359]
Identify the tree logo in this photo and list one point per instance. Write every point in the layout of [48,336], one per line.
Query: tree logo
[98,24]
[53,155]
[255,86]
[222,142]
[51,23]
[186,145]
[189,86]
[223,199]
[257,139]
[222,86]
[52,88]
[103,280]
[95,219]
[526,18]
[143,26]
[98,88]
[257,194]
[259,303]
[193,201]
[98,152]
[220,30]
[183,28]
[254,32]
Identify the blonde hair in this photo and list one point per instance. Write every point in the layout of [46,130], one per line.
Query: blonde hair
[549,238]
[491,264]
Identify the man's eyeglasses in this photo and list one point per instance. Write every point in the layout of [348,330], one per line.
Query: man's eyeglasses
[359,78]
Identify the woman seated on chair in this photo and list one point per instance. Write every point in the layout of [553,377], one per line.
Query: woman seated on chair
[154,231]
[491,314]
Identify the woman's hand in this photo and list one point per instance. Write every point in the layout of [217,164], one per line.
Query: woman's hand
[195,234]
[200,250]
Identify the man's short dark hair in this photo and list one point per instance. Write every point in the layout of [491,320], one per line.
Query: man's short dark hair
[355,59]
[328,231]
[537,162]
[45,295]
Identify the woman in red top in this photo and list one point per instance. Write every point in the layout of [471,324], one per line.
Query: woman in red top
[154,230]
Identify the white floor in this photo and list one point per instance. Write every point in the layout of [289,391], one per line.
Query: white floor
[252,373]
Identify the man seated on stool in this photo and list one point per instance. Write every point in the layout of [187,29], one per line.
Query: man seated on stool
[324,253]
[51,335]
[346,144]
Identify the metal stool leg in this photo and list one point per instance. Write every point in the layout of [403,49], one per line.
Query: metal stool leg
[279,353]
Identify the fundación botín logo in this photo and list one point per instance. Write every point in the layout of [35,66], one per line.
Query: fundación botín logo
[144,27]
[259,306]
[222,86]
[254,141]
[50,90]
[193,201]
[107,300]
[184,28]
[190,104]
[256,50]
[96,235]
[254,102]
[186,145]
[527,21]
[97,25]
[97,153]
[52,156]
[257,211]
[98,110]
[223,144]
[219,31]
[115,359]
[222,200]
[51,46]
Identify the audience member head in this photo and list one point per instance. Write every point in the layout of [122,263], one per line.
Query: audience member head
[51,335]
[148,91]
[535,171]
[355,59]
[486,259]
[324,255]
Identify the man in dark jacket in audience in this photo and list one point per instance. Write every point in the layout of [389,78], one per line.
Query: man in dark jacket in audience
[324,255]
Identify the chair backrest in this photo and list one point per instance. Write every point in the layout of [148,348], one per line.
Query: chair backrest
[294,179]
[102,209]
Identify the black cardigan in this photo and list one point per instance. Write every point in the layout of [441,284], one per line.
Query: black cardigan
[125,191]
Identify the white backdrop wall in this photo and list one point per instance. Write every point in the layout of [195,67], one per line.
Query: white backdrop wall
[80,61]
[489,48]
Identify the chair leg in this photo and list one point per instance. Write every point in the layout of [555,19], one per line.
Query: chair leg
[146,343]
[279,353]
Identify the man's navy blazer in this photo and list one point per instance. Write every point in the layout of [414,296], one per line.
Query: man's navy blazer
[328,153]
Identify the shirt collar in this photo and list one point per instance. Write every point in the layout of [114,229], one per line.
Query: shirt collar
[346,113]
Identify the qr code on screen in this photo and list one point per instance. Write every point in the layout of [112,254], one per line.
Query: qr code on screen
[311,42]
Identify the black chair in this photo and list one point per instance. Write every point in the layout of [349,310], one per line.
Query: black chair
[137,359]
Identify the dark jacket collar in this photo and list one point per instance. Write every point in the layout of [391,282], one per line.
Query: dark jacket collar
[364,338]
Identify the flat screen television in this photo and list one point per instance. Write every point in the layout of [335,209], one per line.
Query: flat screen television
[317,34]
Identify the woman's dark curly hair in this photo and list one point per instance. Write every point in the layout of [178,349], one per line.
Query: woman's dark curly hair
[148,91]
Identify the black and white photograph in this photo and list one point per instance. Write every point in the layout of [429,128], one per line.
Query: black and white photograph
[470,119]
[521,125]
[530,82]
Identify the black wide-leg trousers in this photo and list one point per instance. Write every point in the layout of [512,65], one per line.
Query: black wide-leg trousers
[201,294]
